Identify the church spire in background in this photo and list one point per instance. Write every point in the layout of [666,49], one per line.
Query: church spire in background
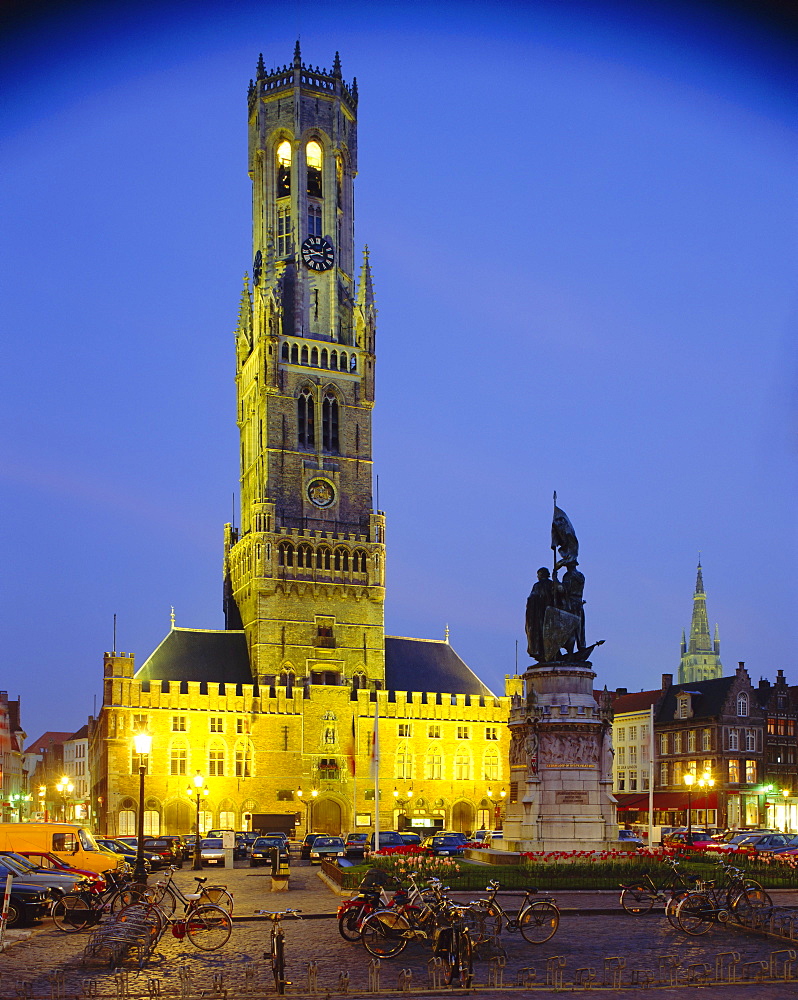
[700,659]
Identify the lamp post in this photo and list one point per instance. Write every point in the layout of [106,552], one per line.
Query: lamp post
[706,781]
[401,802]
[308,807]
[65,787]
[142,741]
[786,793]
[43,801]
[200,790]
[688,780]
[497,807]
[18,799]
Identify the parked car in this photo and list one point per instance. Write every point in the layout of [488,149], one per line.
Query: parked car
[217,834]
[699,838]
[121,847]
[180,847]
[327,847]
[27,904]
[23,870]
[244,844]
[212,852]
[388,838]
[355,845]
[630,837]
[412,839]
[735,841]
[486,836]
[262,848]
[767,842]
[50,862]
[165,848]
[443,846]
[304,851]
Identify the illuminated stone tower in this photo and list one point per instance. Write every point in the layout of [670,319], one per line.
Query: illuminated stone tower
[701,657]
[304,574]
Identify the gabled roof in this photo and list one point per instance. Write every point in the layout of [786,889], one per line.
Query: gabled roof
[81,734]
[636,701]
[199,655]
[709,697]
[47,741]
[428,665]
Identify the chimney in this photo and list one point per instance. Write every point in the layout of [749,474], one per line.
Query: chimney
[621,691]
[667,680]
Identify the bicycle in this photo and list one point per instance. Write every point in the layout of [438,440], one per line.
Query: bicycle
[386,932]
[83,908]
[206,925]
[167,894]
[709,904]
[638,898]
[277,952]
[537,919]
[455,948]
[371,895]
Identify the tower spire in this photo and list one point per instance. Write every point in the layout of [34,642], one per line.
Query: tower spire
[700,660]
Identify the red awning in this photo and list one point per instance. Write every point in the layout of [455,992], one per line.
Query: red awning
[666,800]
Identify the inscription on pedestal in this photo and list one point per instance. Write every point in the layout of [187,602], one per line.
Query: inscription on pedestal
[571,798]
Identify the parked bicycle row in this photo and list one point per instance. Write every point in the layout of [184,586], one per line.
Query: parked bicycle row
[693,904]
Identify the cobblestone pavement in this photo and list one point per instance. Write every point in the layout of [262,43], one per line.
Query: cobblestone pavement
[47,964]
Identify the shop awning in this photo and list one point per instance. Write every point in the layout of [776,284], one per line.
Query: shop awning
[666,800]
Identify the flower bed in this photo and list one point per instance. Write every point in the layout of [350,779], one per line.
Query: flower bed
[553,870]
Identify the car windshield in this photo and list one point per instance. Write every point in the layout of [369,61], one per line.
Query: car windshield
[24,864]
[87,840]
[327,842]
[267,842]
[212,842]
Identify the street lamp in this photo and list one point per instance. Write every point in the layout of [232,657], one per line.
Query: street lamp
[17,801]
[706,781]
[142,741]
[688,780]
[200,789]
[43,801]
[786,793]
[401,802]
[66,788]
[497,806]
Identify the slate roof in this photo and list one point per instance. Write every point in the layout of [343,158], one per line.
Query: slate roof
[188,654]
[636,701]
[709,698]
[46,741]
[428,665]
[221,657]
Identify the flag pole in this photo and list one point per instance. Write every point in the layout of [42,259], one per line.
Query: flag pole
[375,763]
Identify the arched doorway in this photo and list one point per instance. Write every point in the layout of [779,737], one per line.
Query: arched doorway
[326,817]
[178,817]
[463,817]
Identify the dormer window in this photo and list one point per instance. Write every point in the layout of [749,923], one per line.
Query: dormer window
[683,707]
[314,162]
[284,153]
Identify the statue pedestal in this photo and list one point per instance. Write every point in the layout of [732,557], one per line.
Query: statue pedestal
[561,764]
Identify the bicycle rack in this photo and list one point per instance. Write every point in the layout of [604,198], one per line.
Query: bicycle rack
[526,977]
[786,956]
[153,988]
[88,988]
[669,969]
[312,969]
[122,984]
[218,989]
[496,970]
[57,987]
[435,972]
[613,966]
[726,966]
[374,975]
[585,977]
[343,982]
[554,973]
[405,979]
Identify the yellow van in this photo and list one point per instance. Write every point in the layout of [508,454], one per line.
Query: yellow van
[73,844]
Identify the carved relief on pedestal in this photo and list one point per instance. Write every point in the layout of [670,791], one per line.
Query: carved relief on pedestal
[531,751]
[517,748]
[570,749]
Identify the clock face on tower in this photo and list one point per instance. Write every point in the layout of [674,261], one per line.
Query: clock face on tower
[317,253]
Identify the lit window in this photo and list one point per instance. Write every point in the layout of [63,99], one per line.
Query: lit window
[314,162]
[284,169]
[404,764]
[462,767]
[750,772]
[404,730]
[491,766]
[217,724]
[434,732]
[178,723]
[491,733]
[242,725]
[706,739]
[216,763]
[463,733]
[691,741]
[433,768]
[178,761]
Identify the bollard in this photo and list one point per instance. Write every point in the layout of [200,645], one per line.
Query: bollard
[613,965]
[343,982]
[786,956]
[313,975]
[405,979]
[374,975]
[435,972]
[726,966]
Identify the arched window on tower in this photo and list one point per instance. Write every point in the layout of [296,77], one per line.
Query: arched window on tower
[294,354]
[314,164]
[323,559]
[306,431]
[314,220]
[285,554]
[334,359]
[284,352]
[324,361]
[304,356]
[314,357]
[284,232]
[329,423]
[284,169]
[304,557]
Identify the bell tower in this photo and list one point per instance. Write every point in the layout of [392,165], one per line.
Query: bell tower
[305,572]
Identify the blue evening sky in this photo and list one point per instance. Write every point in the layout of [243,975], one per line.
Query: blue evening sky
[582,224]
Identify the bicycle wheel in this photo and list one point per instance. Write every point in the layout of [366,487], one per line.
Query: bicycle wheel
[164,898]
[125,897]
[695,913]
[539,921]
[750,901]
[72,913]
[637,899]
[383,933]
[671,907]
[143,912]
[278,962]
[218,896]
[458,959]
[208,927]
[350,921]
[484,923]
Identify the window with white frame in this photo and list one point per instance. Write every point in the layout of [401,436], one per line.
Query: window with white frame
[178,760]
[691,741]
[633,781]
[663,743]
[663,774]
[216,723]
[462,767]
[463,733]
[178,723]
[742,705]
[216,761]
[734,740]
[706,739]
[434,732]
[750,741]
[433,768]
[491,765]
[620,734]
[404,763]
[633,734]
[404,730]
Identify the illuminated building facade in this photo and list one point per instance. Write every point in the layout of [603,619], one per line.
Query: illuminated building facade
[282,700]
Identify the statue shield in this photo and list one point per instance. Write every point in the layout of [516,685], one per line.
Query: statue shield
[560,630]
